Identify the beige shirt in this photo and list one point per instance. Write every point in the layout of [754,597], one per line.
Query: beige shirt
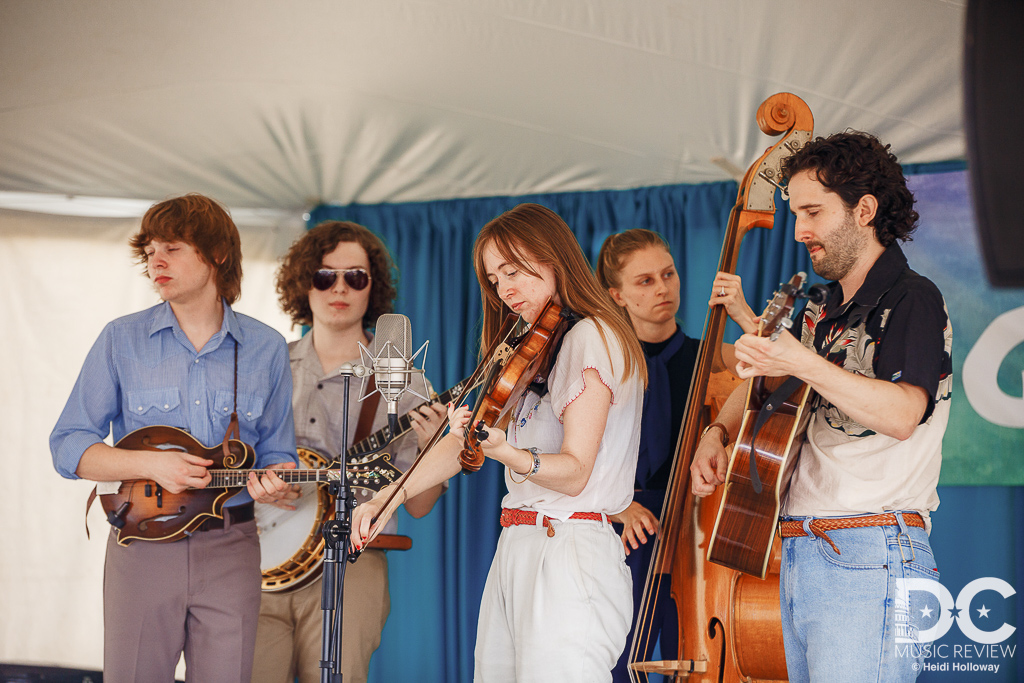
[845,468]
[317,398]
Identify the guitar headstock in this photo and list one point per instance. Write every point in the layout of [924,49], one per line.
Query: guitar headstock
[777,316]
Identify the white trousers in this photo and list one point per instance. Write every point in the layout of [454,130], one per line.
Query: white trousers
[554,608]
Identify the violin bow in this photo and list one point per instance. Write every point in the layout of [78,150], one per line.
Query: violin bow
[508,325]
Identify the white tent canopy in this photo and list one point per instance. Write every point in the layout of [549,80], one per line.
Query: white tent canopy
[274,107]
[284,105]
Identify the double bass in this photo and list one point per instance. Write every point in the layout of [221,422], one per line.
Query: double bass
[729,623]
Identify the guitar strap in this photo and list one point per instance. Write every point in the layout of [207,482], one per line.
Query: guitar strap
[367,413]
[786,389]
[233,423]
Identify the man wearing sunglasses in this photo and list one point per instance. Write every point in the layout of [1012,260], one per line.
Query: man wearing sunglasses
[337,279]
[190,363]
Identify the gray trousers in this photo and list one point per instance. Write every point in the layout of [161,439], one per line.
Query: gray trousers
[200,595]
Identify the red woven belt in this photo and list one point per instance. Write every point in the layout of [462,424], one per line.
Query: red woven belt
[820,527]
[515,517]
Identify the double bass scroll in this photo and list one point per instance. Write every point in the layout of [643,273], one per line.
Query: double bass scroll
[729,624]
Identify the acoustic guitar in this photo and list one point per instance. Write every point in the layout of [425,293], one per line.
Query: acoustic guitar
[764,456]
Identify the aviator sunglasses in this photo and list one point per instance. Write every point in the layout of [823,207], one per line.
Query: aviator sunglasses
[356,278]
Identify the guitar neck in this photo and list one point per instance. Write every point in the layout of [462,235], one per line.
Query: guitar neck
[380,437]
[238,478]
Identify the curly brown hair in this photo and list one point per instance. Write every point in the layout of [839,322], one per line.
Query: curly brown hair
[305,257]
[202,223]
[853,164]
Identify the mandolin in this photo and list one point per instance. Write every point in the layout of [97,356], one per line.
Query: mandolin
[144,510]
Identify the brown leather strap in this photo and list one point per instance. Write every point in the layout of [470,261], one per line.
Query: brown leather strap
[367,413]
[389,542]
[821,526]
[233,430]
[88,504]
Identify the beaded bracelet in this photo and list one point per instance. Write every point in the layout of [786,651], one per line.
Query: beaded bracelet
[536,466]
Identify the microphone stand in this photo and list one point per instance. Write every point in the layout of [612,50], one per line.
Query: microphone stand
[337,549]
[336,533]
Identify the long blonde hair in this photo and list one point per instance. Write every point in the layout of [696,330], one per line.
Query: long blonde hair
[536,233]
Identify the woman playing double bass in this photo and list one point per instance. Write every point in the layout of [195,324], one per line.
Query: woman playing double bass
[639,272]
[556,605]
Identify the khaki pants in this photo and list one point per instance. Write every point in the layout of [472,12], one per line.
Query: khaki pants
[288,639]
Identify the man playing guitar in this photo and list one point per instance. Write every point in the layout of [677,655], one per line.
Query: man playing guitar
[183,363]
[877,353]
[336,278]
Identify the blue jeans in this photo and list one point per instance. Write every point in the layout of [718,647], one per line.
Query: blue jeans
[841,612]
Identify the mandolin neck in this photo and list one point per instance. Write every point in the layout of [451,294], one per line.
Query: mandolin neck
[238,478]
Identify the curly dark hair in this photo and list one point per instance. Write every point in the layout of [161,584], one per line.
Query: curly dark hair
[305,257]
[853,164]
[207,226]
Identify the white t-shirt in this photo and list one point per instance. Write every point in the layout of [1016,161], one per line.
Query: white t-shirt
[537,421]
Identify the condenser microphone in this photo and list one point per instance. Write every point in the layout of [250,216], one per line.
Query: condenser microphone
[392,357]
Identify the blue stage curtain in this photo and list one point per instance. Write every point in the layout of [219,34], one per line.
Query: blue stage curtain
[436,586]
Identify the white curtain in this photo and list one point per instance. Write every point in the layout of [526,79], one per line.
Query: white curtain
[61,280]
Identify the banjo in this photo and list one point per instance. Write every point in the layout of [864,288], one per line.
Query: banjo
[291,545]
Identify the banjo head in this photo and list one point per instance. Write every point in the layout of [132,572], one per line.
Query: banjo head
[291,547]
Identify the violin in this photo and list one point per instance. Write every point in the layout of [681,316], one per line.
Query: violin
[515,366]
[510,366]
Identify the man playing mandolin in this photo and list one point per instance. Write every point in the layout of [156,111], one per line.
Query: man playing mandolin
[189,363]
[337,278]
[877,353]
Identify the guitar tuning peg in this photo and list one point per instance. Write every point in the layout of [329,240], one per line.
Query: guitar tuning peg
[787,323]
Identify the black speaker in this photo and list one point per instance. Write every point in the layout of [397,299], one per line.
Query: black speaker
[21,673]
[994,116]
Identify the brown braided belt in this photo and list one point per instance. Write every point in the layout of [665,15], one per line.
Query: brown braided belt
[820,526]
[516,517]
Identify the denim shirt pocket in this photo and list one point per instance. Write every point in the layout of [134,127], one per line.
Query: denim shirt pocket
[154,407]
[250,408]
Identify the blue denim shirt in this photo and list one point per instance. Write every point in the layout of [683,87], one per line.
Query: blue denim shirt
[144,371]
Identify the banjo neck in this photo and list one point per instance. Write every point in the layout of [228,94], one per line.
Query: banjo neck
[380,437]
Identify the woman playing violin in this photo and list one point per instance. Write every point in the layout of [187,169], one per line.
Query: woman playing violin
[557,603]
[639,272]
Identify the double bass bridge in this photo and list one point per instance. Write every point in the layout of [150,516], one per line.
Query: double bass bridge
[676,668]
